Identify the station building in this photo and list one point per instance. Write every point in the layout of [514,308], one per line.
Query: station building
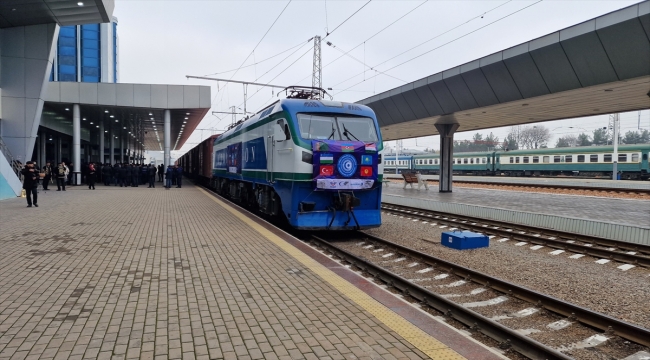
[60,99]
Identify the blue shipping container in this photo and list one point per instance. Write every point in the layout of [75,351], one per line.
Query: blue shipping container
[462,240]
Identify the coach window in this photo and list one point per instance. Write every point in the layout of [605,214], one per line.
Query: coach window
[635,157]
[557,159]
[517,159]
[568,158]
[512,160]
[525,160]
[535,159]
[546,159]
[471,160]
[622,158]
[581,158]
[465,161]
[607,158]
[483,161]
[593,158]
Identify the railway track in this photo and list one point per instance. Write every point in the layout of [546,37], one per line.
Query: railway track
[595,189]
[397,259]
[624,252]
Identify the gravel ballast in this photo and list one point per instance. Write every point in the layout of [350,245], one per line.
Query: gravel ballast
[604,288]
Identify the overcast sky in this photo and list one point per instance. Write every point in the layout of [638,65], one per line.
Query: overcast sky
[162,41]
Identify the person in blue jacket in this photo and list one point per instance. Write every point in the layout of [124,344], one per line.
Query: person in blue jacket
[169,173]
[179,176]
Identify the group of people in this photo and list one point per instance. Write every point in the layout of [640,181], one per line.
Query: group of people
[31,177]
[135,175]
[118,174]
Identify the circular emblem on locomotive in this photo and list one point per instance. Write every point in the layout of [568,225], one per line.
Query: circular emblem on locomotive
[347,165]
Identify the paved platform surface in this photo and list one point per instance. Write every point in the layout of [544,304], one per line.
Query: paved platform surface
[609,210]
[128,273]
[599,183]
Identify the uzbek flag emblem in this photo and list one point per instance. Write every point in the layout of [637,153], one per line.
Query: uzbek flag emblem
[366,171]
[326,159]
[327,170]
[371,147]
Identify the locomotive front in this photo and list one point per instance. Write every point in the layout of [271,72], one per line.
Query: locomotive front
[340,151]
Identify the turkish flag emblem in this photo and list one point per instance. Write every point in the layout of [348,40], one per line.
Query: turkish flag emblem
[327,170]
[366,171]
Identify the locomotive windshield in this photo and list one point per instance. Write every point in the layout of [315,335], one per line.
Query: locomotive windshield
[322,127]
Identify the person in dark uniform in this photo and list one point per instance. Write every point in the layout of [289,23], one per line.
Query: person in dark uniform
[168,177]
[106,174]
[115,174]
[161,172]
[135,175]
[152,176]
[91,176]
[30,183]
[179,176]
[125,174]
[144,174]
[47,170]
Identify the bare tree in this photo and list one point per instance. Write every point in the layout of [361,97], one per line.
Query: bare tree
[530,137]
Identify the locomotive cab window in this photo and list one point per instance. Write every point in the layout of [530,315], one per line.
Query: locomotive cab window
[322,127]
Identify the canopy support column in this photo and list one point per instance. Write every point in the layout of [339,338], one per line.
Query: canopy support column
[446,132]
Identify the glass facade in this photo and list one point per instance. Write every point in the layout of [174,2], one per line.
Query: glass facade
[67,53]
[114,52]
[90,53]
[79,53]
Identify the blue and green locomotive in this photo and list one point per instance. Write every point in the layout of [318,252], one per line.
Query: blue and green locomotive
[316,163]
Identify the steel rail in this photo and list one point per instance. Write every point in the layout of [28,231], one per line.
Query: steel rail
[570,187]
[496,227]
[504,335]
[588,317]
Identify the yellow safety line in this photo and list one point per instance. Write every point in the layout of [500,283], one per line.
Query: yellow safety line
[421,340]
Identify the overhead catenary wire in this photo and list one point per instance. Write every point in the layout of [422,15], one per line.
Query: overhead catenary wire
[422,43]
[302,43]
[445,44]
[258,44]
[346,20]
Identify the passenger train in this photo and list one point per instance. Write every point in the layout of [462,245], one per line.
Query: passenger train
[317,163]
[591,161]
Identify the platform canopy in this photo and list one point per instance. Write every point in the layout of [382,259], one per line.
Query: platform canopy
[134,109]
[600,66]
[63,12]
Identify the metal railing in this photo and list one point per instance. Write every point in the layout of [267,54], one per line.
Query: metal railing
[15,166]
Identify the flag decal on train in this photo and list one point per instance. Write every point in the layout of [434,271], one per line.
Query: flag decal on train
[371,147]
[347,148]
[327,170]
[366,171]
[366,160]
[327,159]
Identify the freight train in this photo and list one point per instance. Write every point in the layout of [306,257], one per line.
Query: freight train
[315,163]
[591,161]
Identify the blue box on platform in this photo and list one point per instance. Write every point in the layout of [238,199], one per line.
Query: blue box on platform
[463,240]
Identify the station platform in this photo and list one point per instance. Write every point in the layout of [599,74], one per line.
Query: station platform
[613,218]
[542,181]
[138,273]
